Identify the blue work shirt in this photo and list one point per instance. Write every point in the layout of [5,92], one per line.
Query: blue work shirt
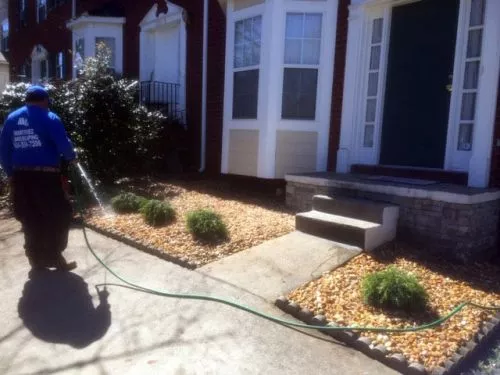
[33,137]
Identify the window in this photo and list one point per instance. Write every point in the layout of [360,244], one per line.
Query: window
[25,72]
[302,59]
[373,80]
[5,36]
[44,70]
[52,4]
[60,71]
[246,67]
[110,45]
[471,75]
[23,12]
[41,10]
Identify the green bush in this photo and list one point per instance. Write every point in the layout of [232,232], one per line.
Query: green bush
[394,288]
[206,225]
[157,213]
[113,134]
[127,203]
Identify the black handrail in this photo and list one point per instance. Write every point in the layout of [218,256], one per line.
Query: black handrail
[161,96]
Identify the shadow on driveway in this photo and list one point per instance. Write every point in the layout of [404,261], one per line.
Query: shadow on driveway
[57,308]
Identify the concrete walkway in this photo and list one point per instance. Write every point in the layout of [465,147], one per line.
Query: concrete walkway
[57,323]
[278,266]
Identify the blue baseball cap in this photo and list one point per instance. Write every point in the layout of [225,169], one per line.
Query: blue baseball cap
[36,94]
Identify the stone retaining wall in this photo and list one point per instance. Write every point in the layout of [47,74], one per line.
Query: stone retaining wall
[462,232]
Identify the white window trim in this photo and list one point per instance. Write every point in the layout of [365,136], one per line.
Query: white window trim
[173,18]
[38,55]
[90,27]
[316,67]
[38,6]
[112,64]
[6,22]
[460,159]
[246,69]
[350,151]
[60,68]
[271,73]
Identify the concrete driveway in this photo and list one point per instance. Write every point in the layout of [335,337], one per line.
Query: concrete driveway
[58,323]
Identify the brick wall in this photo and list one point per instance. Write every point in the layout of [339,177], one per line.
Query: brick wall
[495,154]
[460,232]
[52,34]
[55,37]
[338,82]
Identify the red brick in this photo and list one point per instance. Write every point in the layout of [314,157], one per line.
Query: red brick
[55,37]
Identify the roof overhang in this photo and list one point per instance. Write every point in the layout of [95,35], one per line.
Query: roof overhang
[85,20]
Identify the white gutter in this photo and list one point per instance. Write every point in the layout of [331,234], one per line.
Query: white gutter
[204,88]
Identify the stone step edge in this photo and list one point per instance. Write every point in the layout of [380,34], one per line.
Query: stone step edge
[458,362]
[368,202]
[309,215]
[142,246]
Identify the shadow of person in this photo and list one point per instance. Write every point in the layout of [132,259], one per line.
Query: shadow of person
[57,308]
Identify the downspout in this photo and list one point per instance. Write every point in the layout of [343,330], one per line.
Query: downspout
[204,89]
[73,9]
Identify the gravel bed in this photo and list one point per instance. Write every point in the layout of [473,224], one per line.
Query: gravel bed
[336,295]
[249,224]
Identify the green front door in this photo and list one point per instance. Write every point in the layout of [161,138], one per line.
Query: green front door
[417,100]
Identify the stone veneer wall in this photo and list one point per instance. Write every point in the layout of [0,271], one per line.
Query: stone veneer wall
[462,232]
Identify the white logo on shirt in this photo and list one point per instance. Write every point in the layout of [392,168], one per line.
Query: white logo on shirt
[23,122]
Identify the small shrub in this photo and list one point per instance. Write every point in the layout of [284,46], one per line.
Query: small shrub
[206,225]
[394,288]
[127,203]
[157,213]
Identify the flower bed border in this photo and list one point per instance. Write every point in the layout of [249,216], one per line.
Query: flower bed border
[457,363]
[142,246]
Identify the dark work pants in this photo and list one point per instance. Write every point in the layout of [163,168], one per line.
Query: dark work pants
[44,212]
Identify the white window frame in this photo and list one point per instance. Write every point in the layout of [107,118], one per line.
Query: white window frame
[23,13]
[368,138]
[5,35]
[90,27]
[104,39]
[456,158]
[271,74]
[246,68]
[39,56]
[301,65]
[41,4]
[60,65]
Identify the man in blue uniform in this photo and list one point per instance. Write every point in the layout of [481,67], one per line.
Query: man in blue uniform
[32,143]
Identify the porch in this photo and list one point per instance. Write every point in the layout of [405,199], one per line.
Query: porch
[420,87]
[460,222]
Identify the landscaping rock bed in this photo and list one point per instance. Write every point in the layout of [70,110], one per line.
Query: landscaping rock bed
[249,224]
[335,298]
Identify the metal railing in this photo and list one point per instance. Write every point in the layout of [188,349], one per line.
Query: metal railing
[161,96]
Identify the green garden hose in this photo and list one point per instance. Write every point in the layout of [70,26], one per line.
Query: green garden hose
[133,286]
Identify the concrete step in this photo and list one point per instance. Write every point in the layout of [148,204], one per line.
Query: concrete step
[356,208]
[360,223]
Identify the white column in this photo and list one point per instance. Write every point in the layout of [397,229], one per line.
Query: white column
[349,126]
[479,167]
[182,65]
[269,110]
